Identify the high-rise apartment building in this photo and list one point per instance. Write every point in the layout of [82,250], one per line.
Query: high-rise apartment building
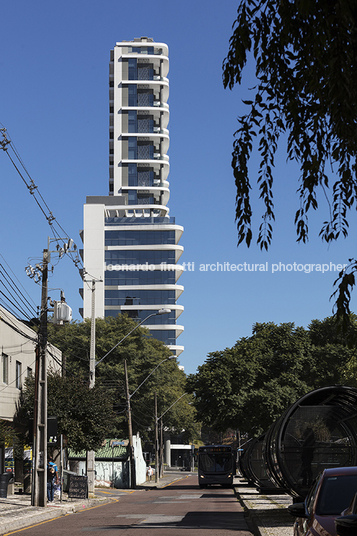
[131,243]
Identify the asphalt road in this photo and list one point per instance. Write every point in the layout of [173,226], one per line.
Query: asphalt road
[177,508]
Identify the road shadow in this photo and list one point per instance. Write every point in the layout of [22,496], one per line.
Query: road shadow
[274,517]
[213,522]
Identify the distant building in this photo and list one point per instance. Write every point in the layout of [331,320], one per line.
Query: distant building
[130,242]
[112,463]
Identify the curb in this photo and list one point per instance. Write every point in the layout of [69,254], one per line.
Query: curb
[267,515]
[252,519]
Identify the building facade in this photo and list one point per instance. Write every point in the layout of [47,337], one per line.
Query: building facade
[18,361]
[131,243]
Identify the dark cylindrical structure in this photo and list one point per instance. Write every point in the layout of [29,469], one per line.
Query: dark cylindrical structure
[317,432]
[253,467]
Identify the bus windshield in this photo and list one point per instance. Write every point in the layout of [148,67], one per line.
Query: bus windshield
[215,462]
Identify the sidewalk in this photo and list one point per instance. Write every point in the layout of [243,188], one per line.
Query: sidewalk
[16,511]
[268,513]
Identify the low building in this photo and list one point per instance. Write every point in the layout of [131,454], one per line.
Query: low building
[112,464]
[18,360]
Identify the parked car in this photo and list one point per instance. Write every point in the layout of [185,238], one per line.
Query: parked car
[330,495]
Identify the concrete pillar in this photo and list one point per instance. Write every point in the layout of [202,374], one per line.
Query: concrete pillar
[167,455]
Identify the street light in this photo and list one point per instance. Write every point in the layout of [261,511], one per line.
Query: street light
[130,428]
[157,419]
[159,312]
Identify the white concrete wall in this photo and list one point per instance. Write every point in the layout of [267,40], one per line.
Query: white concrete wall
[93,242]
[17,345]
[140,463]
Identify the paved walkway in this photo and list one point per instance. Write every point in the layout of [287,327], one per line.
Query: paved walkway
[267,513]
[16,511]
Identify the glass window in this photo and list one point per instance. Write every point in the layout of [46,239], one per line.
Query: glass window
[132,69]
[215,462]
[132,149]
[132,121]
[124,238]
[336,494]
[140,297]
[132,180]
[141,277]
[139,257]
[164,335]
[5,368]
[132,95]
[18,374]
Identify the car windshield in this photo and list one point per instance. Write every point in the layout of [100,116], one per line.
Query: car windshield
[336,494]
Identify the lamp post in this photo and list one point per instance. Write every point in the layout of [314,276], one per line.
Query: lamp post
[130,428]
[161,465]
[159,312]
[93,363]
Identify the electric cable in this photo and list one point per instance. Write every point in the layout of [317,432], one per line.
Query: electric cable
[62,245]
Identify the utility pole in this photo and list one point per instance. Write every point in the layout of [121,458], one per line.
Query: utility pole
[39,466]
[130,429]
[157,469]
[39,483]
[161,463]
[91,454]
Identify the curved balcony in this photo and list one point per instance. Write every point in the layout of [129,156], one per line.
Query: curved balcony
[161,193]
[176,349]
[160,114]
[161,166]
[151,247]
[166,286]
[159,139]
[143,211]
[160,62]
[160,88]
[176,327]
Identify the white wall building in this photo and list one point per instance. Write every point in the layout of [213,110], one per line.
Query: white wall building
[131,243]
[18,359]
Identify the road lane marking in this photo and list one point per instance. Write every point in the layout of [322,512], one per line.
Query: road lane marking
[150,519]
[174,481]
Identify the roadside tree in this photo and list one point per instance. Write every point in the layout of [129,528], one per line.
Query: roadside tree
[142,353]
[305,93]
[248,387]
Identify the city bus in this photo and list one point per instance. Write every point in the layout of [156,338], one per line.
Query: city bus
[216,465]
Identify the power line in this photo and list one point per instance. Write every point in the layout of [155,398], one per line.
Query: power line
[20,285]
[59,234]
[9,322]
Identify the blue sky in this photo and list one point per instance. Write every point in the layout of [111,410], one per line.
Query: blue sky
[54,104]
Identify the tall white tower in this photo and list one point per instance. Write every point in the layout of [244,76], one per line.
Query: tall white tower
[130,241]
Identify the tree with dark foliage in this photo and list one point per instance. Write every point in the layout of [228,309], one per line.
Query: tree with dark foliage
[248,387]
[305,55]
